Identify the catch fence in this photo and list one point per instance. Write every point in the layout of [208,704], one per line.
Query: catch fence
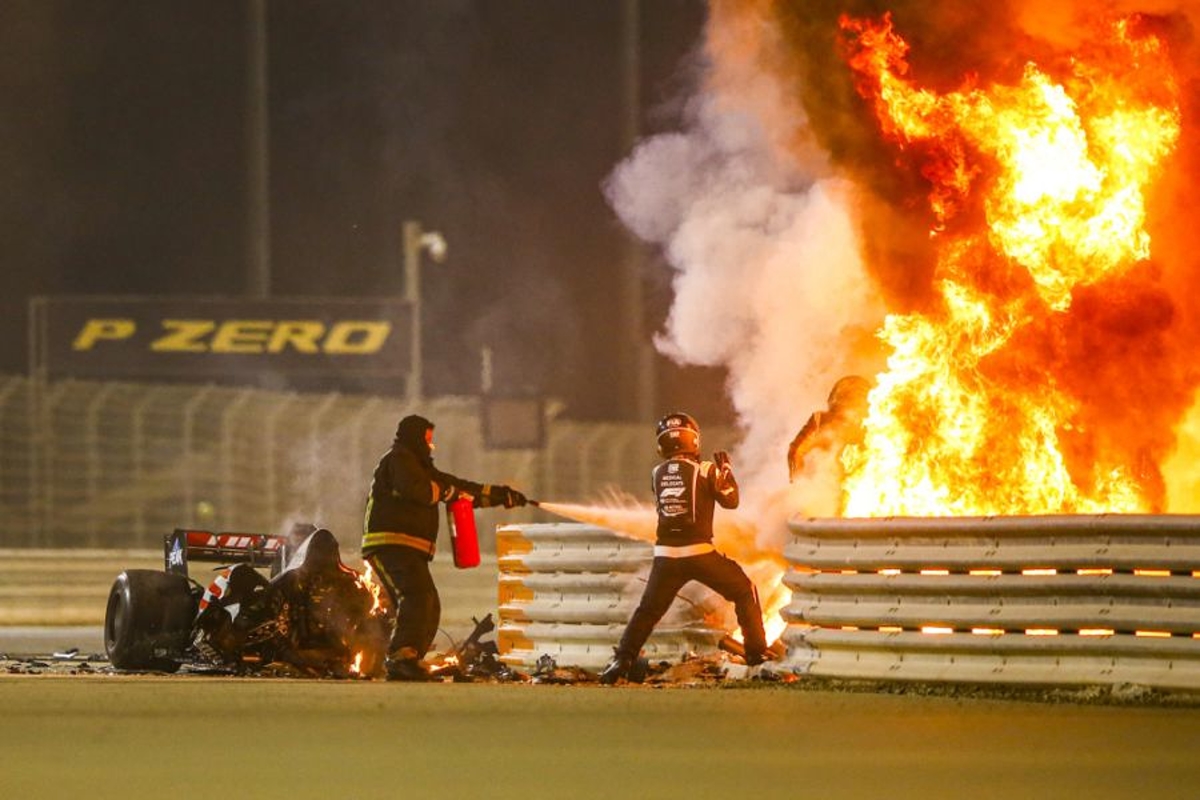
[110,464]
[1079,600]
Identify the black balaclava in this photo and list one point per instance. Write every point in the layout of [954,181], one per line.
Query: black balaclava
[410,434]
[323,554]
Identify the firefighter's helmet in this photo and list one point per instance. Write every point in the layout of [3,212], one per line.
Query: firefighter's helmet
[678,434]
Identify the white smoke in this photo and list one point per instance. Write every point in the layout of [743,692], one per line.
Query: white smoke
[768,279]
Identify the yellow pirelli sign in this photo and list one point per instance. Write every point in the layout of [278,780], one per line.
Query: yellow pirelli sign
[200,337]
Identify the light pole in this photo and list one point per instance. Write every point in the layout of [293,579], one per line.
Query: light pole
[416,241]
[638,392]
[258,155]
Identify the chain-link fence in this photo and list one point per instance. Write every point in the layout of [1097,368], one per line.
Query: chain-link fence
[99,464]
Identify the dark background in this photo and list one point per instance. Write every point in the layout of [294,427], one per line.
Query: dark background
[124,154]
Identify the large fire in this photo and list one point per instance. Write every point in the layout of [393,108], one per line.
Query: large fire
[984,204]
[1037,189]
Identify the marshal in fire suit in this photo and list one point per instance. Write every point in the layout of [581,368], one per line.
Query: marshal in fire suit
[400,534]
[687,490]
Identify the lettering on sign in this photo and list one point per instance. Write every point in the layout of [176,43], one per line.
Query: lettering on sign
[220,338]
[349,337]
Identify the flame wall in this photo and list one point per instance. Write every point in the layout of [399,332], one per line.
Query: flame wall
[795,227]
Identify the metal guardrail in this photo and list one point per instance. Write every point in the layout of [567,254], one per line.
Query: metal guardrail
[567,590]
[1078,600]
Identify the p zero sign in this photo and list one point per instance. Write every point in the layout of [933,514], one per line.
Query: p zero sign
[218,338]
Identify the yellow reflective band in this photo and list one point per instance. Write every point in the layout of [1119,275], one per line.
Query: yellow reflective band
[682,551]
[386,539]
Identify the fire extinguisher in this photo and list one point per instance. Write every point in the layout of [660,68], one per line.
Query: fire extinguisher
[460,517]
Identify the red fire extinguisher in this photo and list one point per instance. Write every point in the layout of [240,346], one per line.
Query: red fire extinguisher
[460,517]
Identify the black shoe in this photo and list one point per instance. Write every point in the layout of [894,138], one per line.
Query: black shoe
[754,659]
[617,669]
[407,669]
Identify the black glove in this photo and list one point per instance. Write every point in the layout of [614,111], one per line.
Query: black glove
[511,497]
[721,459]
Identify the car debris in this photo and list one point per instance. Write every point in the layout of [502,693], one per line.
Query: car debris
[314,616]
[310,616]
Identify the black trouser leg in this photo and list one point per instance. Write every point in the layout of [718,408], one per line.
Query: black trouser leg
[405,575]
[726,578]
[667,577]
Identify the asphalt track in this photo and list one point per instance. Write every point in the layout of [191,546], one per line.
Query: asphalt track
[122,736]
[103,735]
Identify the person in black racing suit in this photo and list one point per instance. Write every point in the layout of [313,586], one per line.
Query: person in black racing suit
[687,489]
[315,616]
[326,613]
[400,533]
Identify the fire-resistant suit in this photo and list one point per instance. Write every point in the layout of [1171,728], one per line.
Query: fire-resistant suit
[832,429]
[400,535]
[687,490]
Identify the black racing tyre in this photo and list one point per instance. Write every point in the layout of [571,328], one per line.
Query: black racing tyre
[148,622]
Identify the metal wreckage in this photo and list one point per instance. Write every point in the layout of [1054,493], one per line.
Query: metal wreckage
[309,616]
[312,617]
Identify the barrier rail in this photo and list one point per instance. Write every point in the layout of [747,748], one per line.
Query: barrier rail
[567,590]
[1105,599]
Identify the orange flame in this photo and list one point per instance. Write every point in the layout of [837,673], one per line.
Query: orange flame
[1037,190]
[367,580]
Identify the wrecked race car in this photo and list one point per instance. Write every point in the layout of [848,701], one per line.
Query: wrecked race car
[313,616]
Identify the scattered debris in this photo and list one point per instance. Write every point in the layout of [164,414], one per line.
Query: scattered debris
[478,660]
[547,671]
[691,671]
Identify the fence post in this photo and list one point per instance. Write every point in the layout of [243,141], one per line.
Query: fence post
[316,438]
[226,513]
[271,427]
[139,462]
[91,443]
[189,454]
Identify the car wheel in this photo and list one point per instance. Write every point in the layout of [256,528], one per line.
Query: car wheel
[148,622]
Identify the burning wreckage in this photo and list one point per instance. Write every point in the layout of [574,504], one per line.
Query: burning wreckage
[312,617]
[1037,362]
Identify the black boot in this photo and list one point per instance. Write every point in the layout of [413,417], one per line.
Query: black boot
[616,670]
[407,669]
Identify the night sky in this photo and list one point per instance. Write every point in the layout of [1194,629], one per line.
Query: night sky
[124,151]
